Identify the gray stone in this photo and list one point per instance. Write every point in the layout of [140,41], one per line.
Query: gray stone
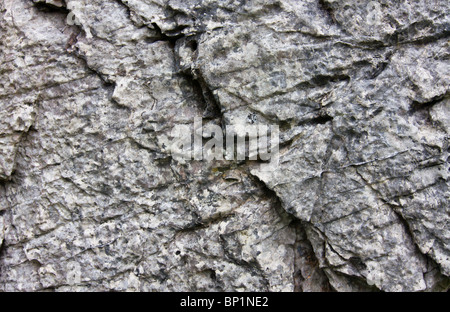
[91,198]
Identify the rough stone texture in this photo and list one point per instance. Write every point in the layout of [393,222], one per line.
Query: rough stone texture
[91,199]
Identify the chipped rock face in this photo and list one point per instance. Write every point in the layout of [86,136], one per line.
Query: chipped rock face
[91,198]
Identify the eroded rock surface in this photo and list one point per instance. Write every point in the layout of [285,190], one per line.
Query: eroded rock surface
[91,198]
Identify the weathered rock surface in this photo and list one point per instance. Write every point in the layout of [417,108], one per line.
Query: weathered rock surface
[91,198]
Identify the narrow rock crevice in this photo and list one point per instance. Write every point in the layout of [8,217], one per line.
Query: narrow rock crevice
[2,253]
[208,102]
[417,106]
[48,7]
[308,276]
[378,70]
[171,39]
[321,119]
[326,7]
[210,105]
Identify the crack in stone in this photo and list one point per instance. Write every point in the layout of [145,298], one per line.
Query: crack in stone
[395,209]
[417,106]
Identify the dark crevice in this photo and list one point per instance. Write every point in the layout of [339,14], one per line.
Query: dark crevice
[5,179]
[417,106]
[218,285]
[50,8]
[304,257]
[325,6]
[177,32]
[208,102]
[357,263]
[381,67]
[193,45]
[49,289]
[321,119]
[321,80]
[378,70]
[171,39]
[127,8]
[368,44]
[212,108]
[271,194]
[2,250]
[327,244]
[404,35]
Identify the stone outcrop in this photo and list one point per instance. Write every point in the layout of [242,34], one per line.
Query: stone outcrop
[91,198]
